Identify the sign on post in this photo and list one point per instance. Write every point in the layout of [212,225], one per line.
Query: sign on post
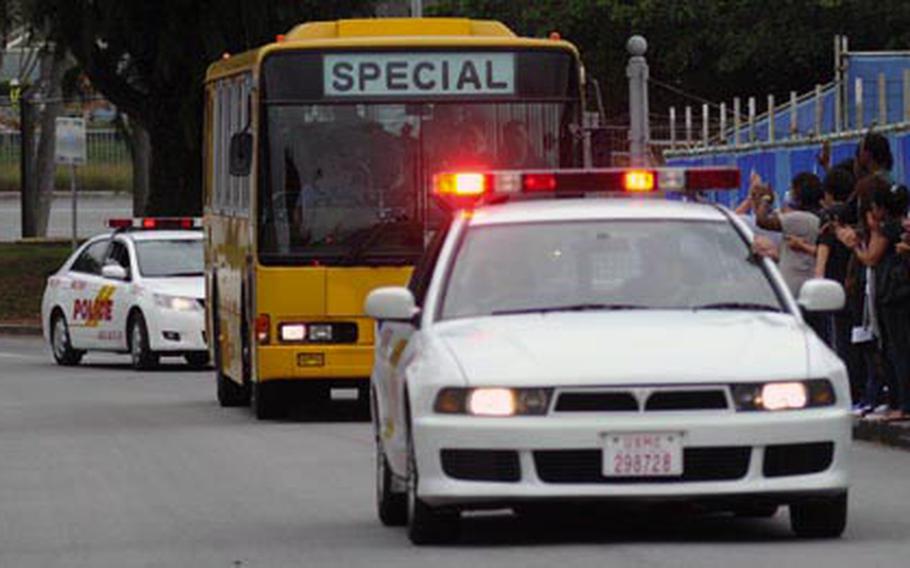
[70,150]
[70,146]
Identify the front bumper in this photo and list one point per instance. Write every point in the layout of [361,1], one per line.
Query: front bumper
[176,331]
[751,433]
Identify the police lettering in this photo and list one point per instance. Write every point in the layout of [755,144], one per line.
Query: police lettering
[92,310]
[427,74]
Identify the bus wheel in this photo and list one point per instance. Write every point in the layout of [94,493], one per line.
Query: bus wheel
[265,404]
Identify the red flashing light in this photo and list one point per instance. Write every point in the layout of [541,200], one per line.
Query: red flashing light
[638,181]
[698,179]
[119,223]
[555,36]
[463,184]
[538,183]
[280,38]
[149,223]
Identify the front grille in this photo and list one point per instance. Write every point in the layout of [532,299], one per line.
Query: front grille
[481,465]
[596,402]
[687,400]
[699,464]
[797,459]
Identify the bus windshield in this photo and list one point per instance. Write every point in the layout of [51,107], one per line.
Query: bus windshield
[345,178]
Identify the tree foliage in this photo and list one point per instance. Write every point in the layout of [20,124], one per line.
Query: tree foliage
[715,49]
[149,58]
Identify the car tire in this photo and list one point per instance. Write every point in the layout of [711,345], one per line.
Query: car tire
[61,346]
[141,356]
[264,402]
[391,505]
[825,518]
[197,360]
[427,524]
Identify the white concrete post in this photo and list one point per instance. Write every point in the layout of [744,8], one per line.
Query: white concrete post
[906,95]
[705,117]
[794,115]
[639,127]
[858,95]
[751,119]
[818,110]
[688,125]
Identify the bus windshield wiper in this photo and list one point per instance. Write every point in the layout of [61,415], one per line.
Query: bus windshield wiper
[749,306]
[571,308]
[376,231]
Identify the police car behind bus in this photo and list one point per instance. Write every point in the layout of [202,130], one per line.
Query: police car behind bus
[603,349]
[138,290]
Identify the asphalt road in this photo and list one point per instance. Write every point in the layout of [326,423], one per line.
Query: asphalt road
[103,467]
[93,211]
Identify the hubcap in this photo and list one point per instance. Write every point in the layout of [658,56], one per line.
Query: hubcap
[136,343]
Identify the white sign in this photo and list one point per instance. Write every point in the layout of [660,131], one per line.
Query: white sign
[70,143]
[422,74]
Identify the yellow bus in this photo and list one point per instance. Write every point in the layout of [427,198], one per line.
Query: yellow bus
[319,152]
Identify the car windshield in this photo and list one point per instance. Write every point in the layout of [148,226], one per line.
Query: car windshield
[605,265]
[170,258]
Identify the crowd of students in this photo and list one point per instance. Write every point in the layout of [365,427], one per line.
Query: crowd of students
[850,226]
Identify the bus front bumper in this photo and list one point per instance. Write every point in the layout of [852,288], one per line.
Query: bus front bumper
[315,362]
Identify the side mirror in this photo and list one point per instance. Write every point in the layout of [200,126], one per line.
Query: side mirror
[821,295]
[391,303]
[113,271]
[241,158]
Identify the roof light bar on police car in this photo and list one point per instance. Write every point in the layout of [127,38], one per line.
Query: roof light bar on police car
[161,223]
[466,188]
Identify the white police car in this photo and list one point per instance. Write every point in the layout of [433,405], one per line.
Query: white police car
[594,348]
[139,290]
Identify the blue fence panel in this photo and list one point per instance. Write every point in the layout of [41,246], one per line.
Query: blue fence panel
[867,66]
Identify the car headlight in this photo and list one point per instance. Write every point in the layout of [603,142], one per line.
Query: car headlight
[784,395]
[179,303]
[493,401]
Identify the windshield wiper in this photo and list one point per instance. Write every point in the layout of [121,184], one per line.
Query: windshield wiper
[372,237]
[571,308]
[750,306]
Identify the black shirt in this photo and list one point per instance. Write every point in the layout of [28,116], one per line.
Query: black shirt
[838,257]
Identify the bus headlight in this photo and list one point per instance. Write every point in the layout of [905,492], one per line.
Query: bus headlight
[494,401]
[179,303]
[784,395]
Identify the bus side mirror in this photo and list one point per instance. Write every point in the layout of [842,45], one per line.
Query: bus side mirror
[241,159]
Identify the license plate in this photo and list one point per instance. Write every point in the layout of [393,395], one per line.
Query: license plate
[344,394]
[652,454]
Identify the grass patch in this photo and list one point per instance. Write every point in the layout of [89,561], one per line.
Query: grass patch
[91,177]
[24,268]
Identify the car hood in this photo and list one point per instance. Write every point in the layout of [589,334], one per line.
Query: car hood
[187,286]
[653,347]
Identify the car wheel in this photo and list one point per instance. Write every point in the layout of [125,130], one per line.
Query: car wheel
[61,346]
[426,524]
[819,518]
[391,505]
[141,355]
[197,360]
[264,402]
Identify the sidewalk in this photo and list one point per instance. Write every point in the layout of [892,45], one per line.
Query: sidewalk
[896,434]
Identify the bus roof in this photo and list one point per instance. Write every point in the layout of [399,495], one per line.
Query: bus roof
[386,32]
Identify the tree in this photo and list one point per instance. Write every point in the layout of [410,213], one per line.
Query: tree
[714,49]
[149,59]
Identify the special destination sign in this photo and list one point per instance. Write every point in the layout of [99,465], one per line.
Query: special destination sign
[418,74]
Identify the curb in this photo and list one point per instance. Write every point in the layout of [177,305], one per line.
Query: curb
[20,329]
[897,436]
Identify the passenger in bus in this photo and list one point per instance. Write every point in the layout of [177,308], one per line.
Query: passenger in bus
[516,150]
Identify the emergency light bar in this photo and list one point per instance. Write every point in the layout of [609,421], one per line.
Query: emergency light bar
[467,188]
[161,223]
